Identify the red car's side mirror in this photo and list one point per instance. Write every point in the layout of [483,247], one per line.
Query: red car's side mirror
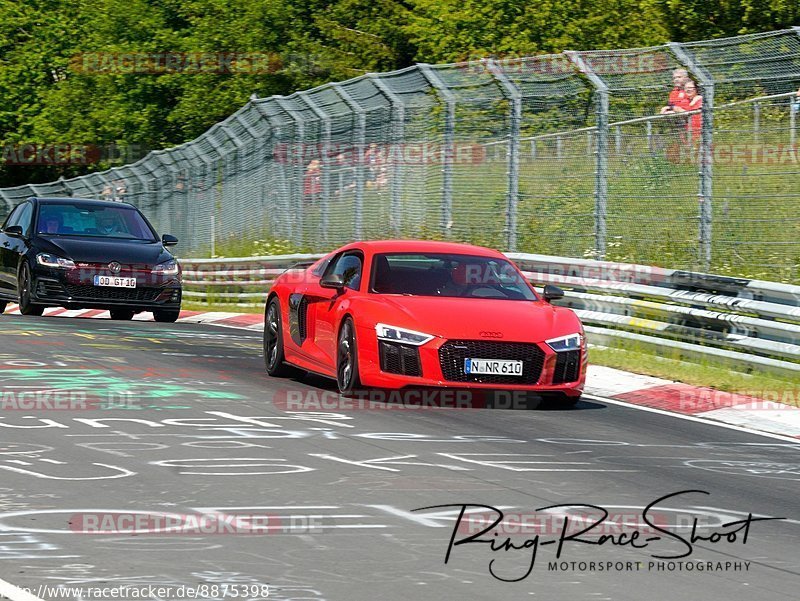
[334,281]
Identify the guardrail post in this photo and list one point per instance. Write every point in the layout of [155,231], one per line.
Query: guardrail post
[324,164]
[449,144]
[398,135]
[601,163]
[361,142]
[511,91]
[706,173]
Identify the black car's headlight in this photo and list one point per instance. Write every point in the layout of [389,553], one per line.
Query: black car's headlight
[55,261]
[403,335]
[167,268]
[571,342]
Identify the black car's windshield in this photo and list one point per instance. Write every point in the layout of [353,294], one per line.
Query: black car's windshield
[97,221]
[448,275]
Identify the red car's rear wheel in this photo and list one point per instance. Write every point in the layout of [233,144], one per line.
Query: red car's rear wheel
[274,357]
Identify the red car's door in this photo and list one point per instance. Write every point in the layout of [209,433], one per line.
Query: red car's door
[327,303]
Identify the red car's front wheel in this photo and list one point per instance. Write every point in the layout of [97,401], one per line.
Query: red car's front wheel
[347,376]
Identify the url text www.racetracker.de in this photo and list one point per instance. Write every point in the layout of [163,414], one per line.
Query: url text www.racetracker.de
[150,591]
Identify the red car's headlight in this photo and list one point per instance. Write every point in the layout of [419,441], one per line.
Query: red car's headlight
[402,335]
[571,342]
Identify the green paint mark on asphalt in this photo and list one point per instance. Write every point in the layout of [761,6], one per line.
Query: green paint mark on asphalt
[98,382]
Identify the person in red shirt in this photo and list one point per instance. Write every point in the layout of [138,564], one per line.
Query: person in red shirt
[694,102]
[677,97]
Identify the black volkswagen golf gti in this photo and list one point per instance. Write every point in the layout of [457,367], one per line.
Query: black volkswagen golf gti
[87,254]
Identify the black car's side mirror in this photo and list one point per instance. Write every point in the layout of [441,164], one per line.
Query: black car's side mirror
[333,280]
[169,240]
[552,293]
[15,231]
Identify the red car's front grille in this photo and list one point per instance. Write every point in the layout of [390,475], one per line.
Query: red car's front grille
[453,353]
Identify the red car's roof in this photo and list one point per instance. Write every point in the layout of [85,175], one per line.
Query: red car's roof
[389,246]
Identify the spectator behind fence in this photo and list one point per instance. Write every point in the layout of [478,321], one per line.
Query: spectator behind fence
[677,97]
[694,102]
[312,182]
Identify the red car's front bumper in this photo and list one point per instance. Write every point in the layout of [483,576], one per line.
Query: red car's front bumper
[432,375]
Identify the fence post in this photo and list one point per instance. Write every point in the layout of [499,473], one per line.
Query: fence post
[601,164]
[8,202]
[398,134]
[286,187]
[794,107]
[324,163]
[300,136]
[512,92]
[756,121]
[449,143]
[361,141]
[706,173]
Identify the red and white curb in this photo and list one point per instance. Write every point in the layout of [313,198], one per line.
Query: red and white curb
[772,412]
[247,321]
[753,410]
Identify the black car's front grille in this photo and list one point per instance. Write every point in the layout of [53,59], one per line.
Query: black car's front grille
[103,293]
[568,367]
[453,352]
[399,359]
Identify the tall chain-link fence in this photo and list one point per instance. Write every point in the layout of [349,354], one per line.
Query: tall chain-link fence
[564,154]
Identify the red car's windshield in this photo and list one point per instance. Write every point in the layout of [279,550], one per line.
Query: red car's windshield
[448,275]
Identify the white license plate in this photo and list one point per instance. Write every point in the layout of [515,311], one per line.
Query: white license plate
[492,367]
[105,280]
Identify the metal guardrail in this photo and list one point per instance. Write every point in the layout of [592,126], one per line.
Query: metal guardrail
[754,324]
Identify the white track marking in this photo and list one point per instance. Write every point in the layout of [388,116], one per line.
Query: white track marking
[15,593]
[693,418]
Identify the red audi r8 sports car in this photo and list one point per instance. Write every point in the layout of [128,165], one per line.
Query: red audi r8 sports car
[418,314]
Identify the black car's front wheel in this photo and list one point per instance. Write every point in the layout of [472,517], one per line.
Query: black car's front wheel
[3,306]
[347,376]
[166,315]
[26,307]
[274,357]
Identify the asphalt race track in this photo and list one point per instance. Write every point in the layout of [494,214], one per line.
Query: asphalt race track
[181,419]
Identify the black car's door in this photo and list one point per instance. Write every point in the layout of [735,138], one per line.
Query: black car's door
[11,247]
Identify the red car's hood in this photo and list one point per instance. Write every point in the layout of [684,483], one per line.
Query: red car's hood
[472,318]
